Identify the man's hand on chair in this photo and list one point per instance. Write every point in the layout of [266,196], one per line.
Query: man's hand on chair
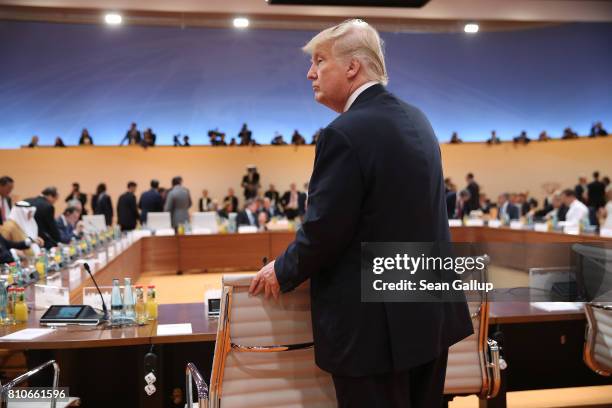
[265,280]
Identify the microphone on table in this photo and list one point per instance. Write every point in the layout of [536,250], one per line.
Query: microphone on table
[104,309]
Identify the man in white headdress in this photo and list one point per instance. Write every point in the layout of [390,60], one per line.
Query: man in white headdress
[22,226]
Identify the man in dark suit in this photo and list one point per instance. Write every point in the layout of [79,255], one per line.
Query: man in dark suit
[291,202]
[273,195]
[474,189]
[596,192]
[248,216]
[150,201]
[132,136]
[76,194]
[6,187]
[68,225]
[127,210]
[507,210]
[581,189]
[205,203]
[231,197]
[45,216]
[380,354]
[102,204]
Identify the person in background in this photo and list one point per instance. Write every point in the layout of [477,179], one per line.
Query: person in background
[101,203]
[262,221]
[6,246]
[506,208]
[250,182]
[6,187]
[270,209]
[581,189]
[59,142]
[577,211]
[22,225]
[69,226]
[85,139]
[148,138]
[462,207]
[150,201]
[474,189]
[315,136]
[248,216]
[568,133]
[76,194]
[543,137]
[522,138]
[132,136]
[186,141]
[127,209]
[596,192]
[455,138]
[605,213]
[178,202]
[45,216]
[290,202]
[232,199]
[34,141]
[558,209]
[176,141]
[297,139]
[278,140]
[205,203]
[226,209]
[273,195]
[493,139]
[598,130]
[484,204]
[245,135]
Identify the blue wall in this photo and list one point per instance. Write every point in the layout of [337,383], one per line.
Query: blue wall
[56,79]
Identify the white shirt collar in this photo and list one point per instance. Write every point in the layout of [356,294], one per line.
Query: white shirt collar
[356,93]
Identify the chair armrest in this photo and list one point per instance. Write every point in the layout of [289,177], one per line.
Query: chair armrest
[192,374]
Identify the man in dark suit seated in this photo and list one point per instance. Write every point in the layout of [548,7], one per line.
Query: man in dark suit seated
[68,225]
[248,216]
[380,354]
[127,210]
[6,187]
[507,210]
[269,209]
[45,216]
[150,201]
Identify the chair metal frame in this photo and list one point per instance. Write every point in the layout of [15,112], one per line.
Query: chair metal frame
[591,337]
[18,380]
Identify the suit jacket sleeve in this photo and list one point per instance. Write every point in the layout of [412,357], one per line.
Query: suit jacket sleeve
[331,220]
[51,226]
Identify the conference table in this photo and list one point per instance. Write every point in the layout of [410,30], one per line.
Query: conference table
[543,348]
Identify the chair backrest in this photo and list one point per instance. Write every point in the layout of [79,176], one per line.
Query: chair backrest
[158,221]
[205,220]
[263,354]
[598,342]
[94,223]
[473,366]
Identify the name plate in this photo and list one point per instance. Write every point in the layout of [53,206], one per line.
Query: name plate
[474,222]
[45,296]
[606,232]
[516,225]
[455,223]
[74,273]
[102,258]
[111,251]
[571,229]
[494,223]
[540,227]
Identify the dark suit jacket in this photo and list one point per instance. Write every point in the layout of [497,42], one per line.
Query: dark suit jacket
[6,246]
[203,206]
[273,196]
[380,148]
[474,201]
[150,201]
[451,204]
[243,219]
[45,219]
[596,192]
[103,205]
[234,202]
[10,205]
[66,231]
[127,211]
[512,210]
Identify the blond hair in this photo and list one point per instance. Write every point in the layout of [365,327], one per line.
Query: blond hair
[356,39]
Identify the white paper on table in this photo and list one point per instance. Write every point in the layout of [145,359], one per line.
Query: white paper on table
[516,225]
[111,251]
[27,334]
[74,273]
[606,232]
[45,296]
[474,222]
[102,258]
[558,306]
[571,229]
[540,227]
[453,222]
[494,223]
[169,329]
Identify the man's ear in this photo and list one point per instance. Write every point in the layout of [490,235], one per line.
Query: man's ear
[353,68]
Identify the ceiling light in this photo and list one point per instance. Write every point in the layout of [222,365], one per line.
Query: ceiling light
[471,28]
[241,22]
[113,19]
